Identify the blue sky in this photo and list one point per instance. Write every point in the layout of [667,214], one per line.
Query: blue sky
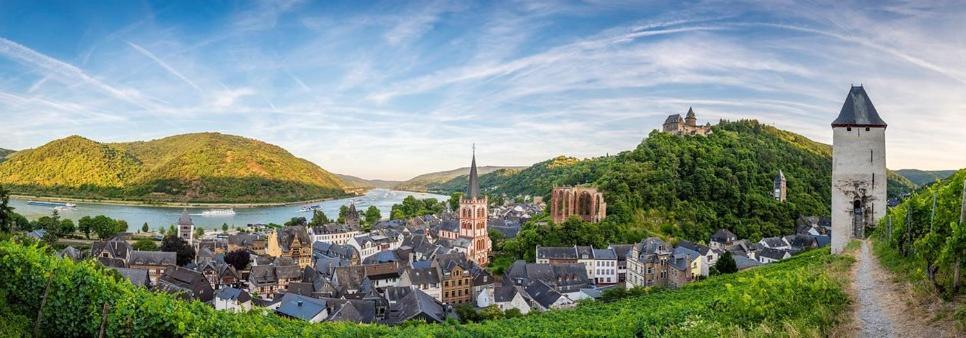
[395,89]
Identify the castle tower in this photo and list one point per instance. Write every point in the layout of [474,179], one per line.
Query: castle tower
[779,187]
[186,228]
[691,120]
[473,215]
[858,169]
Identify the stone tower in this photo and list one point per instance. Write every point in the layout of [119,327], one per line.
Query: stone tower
[779,187]
[186,228]
[858,169]
[473,215]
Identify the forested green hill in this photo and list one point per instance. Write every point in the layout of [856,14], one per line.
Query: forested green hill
[203,167]
[689,186]
[4,153]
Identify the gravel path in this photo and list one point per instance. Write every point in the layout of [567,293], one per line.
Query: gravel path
[870,312]
[885,308]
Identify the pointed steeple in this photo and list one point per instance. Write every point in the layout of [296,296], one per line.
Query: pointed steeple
[185,219]
[474,188]
[691,113]
[858,111]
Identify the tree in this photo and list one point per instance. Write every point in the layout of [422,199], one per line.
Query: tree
[343,211]
[491,312]
[224,227]
[726,263]
[319,218]
[145,244]
[6,211]
[172,231]
[145,228]
[86,225]
[67,227]
[121,225]
[373,215]
[239,259]
[467,313]
[184,251]
[296,221]
[454,200]
[105,227]
[199,232]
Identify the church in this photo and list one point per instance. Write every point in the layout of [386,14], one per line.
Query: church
[473,219]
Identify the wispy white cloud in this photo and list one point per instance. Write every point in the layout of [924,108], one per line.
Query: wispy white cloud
[165,65]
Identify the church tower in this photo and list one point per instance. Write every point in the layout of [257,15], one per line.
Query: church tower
[858,169]
[780,187]
[691,120]
[473,214]
[186,228]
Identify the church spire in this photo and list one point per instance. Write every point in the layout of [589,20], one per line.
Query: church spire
[474,188]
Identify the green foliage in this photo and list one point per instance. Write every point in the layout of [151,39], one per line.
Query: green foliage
[6,211]
[199,232]
[145,244]
[412,207]
[105,227]
[795,294]
[373,215]
[540,231]
[239,259]
[145,228]
[927,245]
[726,263]
[433,181]
[318,218]
[454,200]
[204,167]
[184,251]
[296,221]
[224,227]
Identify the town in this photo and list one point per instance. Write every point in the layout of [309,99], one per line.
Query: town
[432,267]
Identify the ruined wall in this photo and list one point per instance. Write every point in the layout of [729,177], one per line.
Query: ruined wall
[858,174]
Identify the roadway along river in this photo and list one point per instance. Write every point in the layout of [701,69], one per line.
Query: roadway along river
[157,216]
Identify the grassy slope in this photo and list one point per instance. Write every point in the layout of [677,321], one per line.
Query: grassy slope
[924,177]
[424,181]
[203,167]
[800,296]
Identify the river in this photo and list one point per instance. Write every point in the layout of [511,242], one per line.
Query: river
[158,216]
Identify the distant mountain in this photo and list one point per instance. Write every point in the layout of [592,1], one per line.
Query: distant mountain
[362,183]
[433,181]
[202,167]
[924,177]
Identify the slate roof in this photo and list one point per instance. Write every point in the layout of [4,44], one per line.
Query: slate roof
[774,242]
[702,249]
[675,118]
[300,307]
[408,303]
[858,111]
[450,225]
[152,258]
[262,275]
[354,311]
[723,236]
[424,276]
[543,294]
[137,277]
[234,294]
[72,253]
[622,250]
[772,253]
[801,241]
[503,294]
[549,252]
[185,219]
[605,254]
[585,252]
[117,249]
[191,284]
[473,189]
[288,234]
[743,262]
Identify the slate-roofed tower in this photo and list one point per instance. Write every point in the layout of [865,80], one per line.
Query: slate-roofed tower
[780,186]
[186,227]
[473,213]
[858,169]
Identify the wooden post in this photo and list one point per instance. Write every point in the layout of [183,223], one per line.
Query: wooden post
[106,308]
[43,302]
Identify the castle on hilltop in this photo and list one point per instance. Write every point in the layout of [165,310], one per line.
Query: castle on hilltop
[675,125]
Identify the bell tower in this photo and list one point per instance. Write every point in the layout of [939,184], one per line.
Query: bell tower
[858,169]
[473,215]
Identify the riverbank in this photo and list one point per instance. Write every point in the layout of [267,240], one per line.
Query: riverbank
[180,204]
